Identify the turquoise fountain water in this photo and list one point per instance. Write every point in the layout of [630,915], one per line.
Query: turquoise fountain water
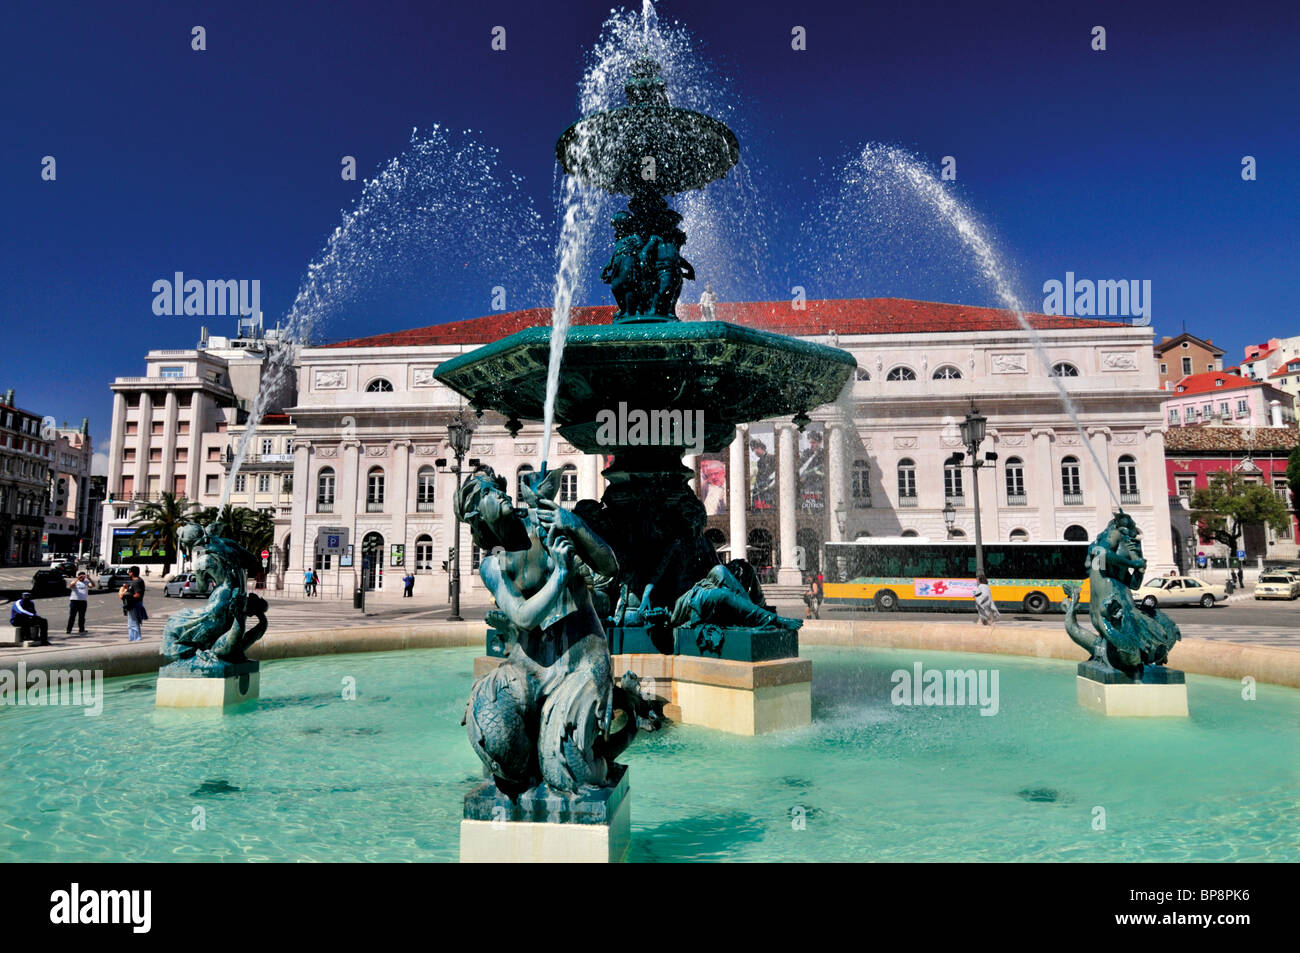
[309,776]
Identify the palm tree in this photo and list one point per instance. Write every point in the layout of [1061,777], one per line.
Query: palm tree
[252,529]
[161,522]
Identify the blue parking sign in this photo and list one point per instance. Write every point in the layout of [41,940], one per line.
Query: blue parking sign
[1241,554]
[332,542]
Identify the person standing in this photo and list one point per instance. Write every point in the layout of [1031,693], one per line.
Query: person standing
[79,595]
[23,616]
[984,604]
[133,604]
[409,582]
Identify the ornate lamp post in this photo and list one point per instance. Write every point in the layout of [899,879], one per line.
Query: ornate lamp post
[459,434]
[841,517]
[949,517]
[972,435]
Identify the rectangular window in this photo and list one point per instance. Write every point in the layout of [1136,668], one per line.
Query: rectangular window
[183,427]
[266,445]
[952,489]
[156,427]
[155,455]
[172,372]
[1173,415]
[1207,410]
[264,483]
[241,483]
[212,485]
[214,453]
[1187,366]
[1280,490]
[1243,407]
[569,488]
[1164,368]
[1185,485]
[375,492]
[1223,408]
[182,455]
[323,560]
[132,428]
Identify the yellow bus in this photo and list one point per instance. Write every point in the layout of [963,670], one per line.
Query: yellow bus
[916,573]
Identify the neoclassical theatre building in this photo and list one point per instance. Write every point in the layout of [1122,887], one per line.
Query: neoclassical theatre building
[372,467]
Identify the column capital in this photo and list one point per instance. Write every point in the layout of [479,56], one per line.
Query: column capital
[1094,431]
[1048,432]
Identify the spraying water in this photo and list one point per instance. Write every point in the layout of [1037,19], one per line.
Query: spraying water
[880,162]
[724,222]
[416,227]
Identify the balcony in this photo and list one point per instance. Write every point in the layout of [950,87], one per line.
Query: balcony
[324,506]
[908,501]
[958,500]
[1017,499]
[425,506]
[1073,499]
[862,502]
[373,507]
[1126,498]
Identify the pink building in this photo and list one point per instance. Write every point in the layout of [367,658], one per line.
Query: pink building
[1221,397]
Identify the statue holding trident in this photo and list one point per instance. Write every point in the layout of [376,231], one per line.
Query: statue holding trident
[552,711]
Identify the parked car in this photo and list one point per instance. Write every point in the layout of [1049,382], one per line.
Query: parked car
[114,577]
[1277,585]
[184,585]
[48,582]
[1179,591]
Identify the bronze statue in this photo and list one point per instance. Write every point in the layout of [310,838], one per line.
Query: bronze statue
[1127,636]
[552,711]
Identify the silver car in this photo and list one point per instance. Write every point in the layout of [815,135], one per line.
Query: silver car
[184,585]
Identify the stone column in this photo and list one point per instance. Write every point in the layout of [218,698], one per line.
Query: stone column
[787,460]
[400,498]
[836,491]
[589,477]
[117,441]
[1099,438]
[304,495]
[193,464]
[1041,481]
[144,439]
[738,497]
[346,514]
[169,446]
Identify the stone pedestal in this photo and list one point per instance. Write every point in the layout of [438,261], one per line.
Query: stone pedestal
[178,690]
[1158,692]
[541,826]
[743,698]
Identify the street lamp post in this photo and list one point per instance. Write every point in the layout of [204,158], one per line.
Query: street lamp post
[972,435]
[949,517]
[459,433]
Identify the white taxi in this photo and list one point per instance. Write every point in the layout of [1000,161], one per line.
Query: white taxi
[1180,591]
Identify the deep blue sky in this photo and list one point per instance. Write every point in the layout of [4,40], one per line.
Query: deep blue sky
[1122,164]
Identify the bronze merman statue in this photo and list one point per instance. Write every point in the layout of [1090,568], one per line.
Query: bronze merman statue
[552,711]
[1127,636]
[623,272]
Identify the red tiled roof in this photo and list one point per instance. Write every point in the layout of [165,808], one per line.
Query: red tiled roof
[1212,381]
[1166,345]
[843,316]
[1282,371]
[1257,351]
[275,418]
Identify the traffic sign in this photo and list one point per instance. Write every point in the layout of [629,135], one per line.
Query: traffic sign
[1241,554]
[266,554]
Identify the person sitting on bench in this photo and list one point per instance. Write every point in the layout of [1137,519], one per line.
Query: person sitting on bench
[23,616]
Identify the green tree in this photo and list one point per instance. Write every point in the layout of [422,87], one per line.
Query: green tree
[1229,504]
[252,529]
[161,521]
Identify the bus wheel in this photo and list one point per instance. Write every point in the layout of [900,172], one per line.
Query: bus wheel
[1036,602]
[886,600]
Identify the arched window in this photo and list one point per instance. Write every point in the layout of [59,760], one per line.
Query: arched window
[955,533]
[946,372]
[860,487]
[909,533]
[379,385]
[716,537]
[1019,536]
[424,489]
[1128,480]
[1064,369]
[861,374]
[519,482]
[1071,488]
[424,553]
[901,373]
[952,487]
[1076,534]
[906,482]
[375,490]
[1015,469]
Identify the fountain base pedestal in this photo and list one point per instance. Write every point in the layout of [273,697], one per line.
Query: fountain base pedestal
[545,827]
[1157,692]
[200,691]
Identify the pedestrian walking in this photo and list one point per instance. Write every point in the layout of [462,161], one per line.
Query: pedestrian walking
[132,595]
[308,578]
[409,582]
[78,597]
[984,604]
[24,617]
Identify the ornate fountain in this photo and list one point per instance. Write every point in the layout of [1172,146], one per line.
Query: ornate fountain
[647,359]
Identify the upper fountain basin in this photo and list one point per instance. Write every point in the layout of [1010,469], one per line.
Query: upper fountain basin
[732,374]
